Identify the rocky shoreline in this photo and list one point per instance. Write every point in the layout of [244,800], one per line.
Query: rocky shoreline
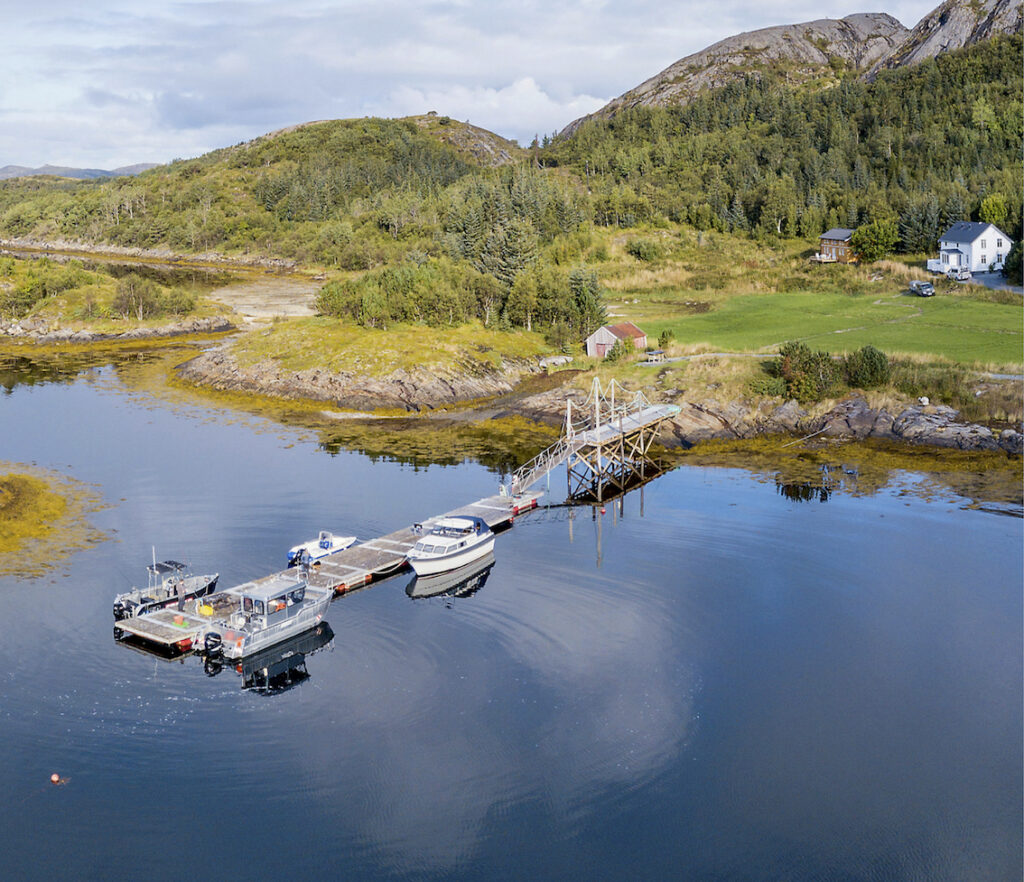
[37,330]
[74,248]
[408,390]
[851,419]
[420,390]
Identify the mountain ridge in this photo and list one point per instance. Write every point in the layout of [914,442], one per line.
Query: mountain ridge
[61,171]
[864,43]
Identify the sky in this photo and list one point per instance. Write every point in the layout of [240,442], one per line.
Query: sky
[116,82]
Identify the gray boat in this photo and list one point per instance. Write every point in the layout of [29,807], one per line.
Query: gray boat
[264,614]
[169,584]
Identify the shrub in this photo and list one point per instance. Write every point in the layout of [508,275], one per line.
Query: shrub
[769,387]
[644,249]
[809,376]
[616,353]
[867,368]
[665,337]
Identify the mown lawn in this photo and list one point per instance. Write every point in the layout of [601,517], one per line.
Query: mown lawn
[964,330]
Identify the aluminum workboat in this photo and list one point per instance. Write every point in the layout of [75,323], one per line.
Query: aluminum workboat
[169,584]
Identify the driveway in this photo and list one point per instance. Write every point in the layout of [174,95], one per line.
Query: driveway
[996,280]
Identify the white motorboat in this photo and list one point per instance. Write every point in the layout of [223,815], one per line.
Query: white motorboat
[451,543]
[169,584]
[315,549]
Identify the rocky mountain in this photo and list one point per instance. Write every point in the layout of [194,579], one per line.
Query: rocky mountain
[952,25]
[60,171]
[818,51]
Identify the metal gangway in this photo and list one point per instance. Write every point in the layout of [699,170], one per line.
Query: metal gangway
[605,440]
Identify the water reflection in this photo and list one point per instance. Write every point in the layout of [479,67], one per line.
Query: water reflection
[463,582]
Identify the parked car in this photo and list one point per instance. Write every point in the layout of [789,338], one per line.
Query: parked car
[958,274]
[922,289]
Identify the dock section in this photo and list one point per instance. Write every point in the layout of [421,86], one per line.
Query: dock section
[359,564]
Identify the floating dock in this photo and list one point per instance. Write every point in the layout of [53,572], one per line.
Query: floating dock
[343,571]
[365,561]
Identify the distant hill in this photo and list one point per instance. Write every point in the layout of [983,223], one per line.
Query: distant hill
[60,171]
[816,52]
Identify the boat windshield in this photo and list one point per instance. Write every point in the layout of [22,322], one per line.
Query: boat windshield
[252,606]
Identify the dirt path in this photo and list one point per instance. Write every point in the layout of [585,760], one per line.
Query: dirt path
[260,300]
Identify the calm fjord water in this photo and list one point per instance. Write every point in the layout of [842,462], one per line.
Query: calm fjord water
[735,686]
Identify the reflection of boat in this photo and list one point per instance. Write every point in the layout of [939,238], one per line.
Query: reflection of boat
[324,544]
[264,614]
[169,584]
[462,582]
[284,666]
[451,543]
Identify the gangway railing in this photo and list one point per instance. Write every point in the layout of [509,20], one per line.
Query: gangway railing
[600,422]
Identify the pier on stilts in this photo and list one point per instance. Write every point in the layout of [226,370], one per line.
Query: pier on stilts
[605,444]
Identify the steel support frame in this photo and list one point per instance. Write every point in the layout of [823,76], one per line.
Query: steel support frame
[591,469]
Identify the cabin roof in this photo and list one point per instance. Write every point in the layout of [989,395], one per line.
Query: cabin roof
[626,331]
[842,234]
[275,586]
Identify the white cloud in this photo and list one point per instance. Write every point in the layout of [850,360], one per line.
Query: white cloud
[516,110]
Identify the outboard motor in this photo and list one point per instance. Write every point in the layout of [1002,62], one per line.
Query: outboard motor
[119,611]
[213,644]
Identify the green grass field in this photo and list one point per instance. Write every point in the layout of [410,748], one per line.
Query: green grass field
[960,329]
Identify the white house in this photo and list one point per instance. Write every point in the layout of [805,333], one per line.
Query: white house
[599,343]
[977,246]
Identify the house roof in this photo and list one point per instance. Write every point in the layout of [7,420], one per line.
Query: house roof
[968,231]
[840,233]
[952,251]
[626,331]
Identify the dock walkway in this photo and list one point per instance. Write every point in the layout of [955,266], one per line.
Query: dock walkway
[342,571]
[353,567]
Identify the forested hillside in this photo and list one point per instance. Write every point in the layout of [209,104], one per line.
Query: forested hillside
[419,225]
[923,145]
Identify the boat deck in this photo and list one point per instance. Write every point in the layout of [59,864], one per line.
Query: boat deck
[342,571]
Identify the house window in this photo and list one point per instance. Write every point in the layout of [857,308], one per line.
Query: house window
[999,257]
[945,258]
[999,243]
[983,258]
[983,245]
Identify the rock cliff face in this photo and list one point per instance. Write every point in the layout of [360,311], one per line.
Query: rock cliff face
[865,43]
[800,51]
[953,25]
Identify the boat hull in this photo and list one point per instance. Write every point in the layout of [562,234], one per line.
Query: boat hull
[241,643]
[429,566]
[139,602]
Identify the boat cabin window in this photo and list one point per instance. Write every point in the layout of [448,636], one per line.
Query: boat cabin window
[297,595]
[428,548]
[252,606]
[276,604]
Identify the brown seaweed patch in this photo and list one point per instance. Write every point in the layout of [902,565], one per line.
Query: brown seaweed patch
[867,467]
[35,505]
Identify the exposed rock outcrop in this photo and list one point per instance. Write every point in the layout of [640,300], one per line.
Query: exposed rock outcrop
[953,25]
[410,390]
[802,51]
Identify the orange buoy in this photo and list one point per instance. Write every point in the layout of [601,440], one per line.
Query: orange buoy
[55,778]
